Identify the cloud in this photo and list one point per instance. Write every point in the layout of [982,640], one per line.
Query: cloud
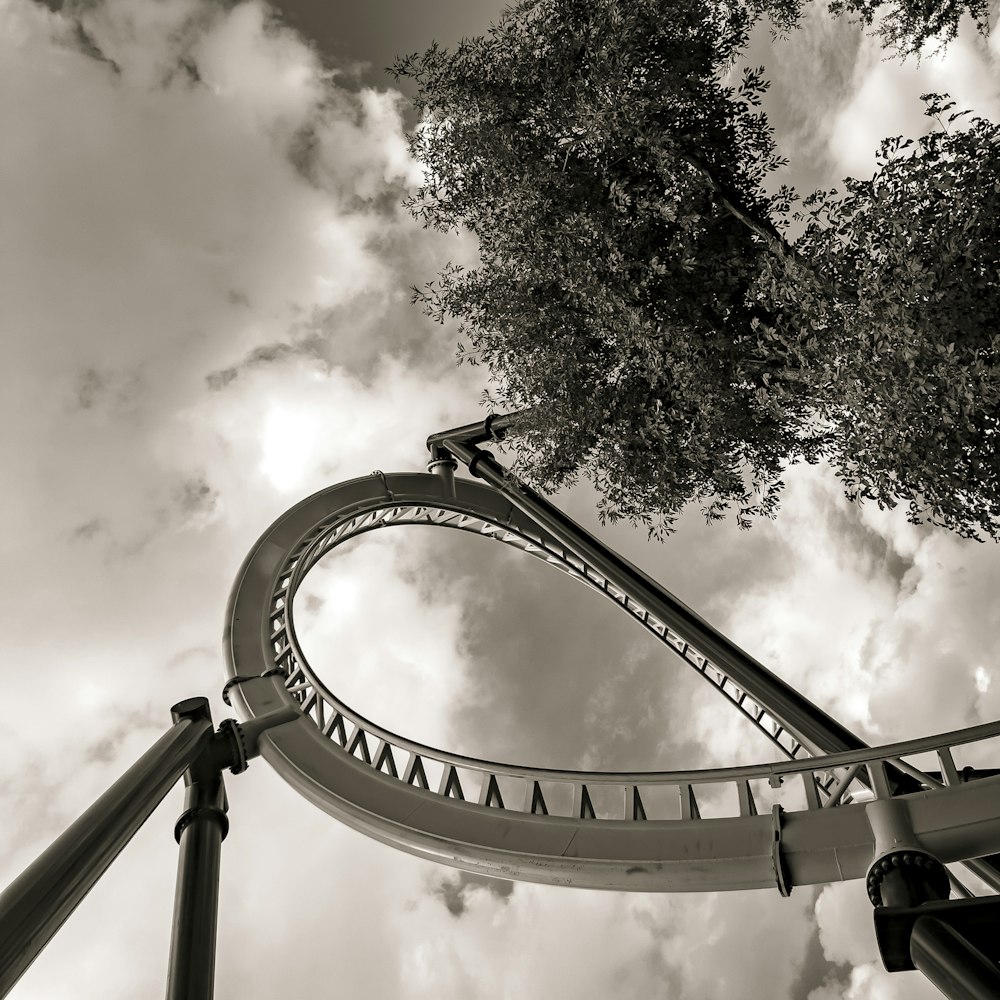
[409,680]
[836,93]
[714,941]
[89,528]
[205,272]
[884,100]
[96,388]
[883,103]
[844,918]
[944,633]
[260,357]
[556,675]
[856,620]
[868,982]
[196,500]
[542,943]
[456,891]
[371,135]
[173,241]
[159,230]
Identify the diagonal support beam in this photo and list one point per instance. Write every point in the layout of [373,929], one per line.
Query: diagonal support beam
[812,727]
[40,900]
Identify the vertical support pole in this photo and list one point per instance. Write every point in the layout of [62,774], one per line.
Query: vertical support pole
[957,968]
[200,831]
[39,901]
[443,466]
[903,873]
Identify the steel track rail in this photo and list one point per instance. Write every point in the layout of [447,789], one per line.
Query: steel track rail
[635,830]
[482,511]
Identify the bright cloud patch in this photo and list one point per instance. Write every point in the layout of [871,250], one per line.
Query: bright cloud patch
[386,648]
[204,272]
[884,101]
[287,443]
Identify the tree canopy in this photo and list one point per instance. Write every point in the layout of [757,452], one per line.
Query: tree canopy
[910,26]
[909,322]
[637,293]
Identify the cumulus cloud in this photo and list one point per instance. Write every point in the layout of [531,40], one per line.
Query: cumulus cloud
[163,223]
[204,272]
[883,100]
[844,918]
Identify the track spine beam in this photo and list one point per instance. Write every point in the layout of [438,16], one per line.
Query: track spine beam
[812,727]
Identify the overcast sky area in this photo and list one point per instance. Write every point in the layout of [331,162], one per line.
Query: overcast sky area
[206,318]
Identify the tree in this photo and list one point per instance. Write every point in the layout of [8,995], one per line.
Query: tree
[908,26]
[911,320]
[635,290]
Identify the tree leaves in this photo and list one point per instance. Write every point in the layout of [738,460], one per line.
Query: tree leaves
[636,292]
[908,26]
[912,325]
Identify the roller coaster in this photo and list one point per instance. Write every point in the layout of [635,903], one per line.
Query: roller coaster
[833,809]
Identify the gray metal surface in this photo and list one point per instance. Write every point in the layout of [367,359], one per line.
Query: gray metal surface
[540,824]
[37,903]
[319,524]
[957,968]
[200,831]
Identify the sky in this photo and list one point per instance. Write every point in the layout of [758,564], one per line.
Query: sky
[204,274]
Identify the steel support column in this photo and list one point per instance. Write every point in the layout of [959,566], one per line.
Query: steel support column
[200,831]
[959,970]
[37,903]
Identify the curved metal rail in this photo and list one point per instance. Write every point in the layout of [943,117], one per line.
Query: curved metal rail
[543,824]
[368,504]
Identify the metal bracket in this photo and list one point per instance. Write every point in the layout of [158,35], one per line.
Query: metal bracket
[444,466]
[242,678]
[187,817]
[488,428]
[232,732]
[230,684]
[493,428]
[479,456]
[380,475]
[781,876]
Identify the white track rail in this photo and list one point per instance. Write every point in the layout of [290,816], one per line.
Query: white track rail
[637,830]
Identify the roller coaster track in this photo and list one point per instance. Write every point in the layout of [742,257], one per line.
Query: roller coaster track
[782,824]
[835,809]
